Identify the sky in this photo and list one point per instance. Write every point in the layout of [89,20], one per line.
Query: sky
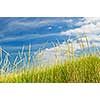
[16,32]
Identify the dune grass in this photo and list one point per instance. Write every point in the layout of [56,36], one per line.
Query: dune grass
[85,69]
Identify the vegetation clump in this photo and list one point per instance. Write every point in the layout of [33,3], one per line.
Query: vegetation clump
[78,69]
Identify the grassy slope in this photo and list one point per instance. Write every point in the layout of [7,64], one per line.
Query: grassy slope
[83,69]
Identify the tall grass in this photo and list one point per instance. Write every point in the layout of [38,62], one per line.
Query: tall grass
[83,69]
[26,66]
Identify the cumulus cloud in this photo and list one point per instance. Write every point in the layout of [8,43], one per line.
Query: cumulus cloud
[87,25]
[89,28]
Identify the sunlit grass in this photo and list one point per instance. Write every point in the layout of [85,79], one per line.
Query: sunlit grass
[83,69]
[26,68]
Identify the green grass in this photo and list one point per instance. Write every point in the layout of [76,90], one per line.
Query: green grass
[75,68]
[84,69]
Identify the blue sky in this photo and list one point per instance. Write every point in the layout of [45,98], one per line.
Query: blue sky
[16,32]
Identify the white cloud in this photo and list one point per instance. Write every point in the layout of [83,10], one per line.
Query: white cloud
[88,25]
[92,19]
[68,20]
[26,37]
[37,23]
[89,28]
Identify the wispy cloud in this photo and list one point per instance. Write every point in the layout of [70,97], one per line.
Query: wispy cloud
[38,22]
[26,37]
[12,29]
